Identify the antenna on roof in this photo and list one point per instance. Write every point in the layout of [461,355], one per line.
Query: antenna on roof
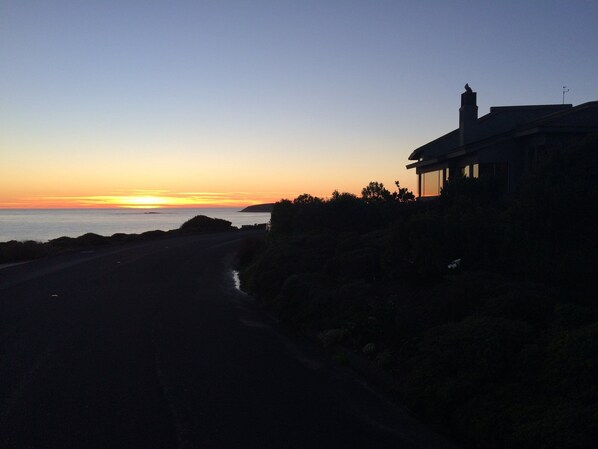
[565,90]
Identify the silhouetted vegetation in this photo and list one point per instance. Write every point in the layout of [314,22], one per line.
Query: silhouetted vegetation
[501,349]
[203,223]
[14,251]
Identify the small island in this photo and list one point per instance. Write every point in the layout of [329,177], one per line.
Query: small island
[266,207]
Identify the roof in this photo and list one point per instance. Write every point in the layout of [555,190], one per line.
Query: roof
[521,120]
[580,118]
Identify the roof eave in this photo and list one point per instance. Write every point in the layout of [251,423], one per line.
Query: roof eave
[422,163]
[555,130]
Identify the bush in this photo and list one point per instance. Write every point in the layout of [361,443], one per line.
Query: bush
[206,224]
[14,251]
[450,364]
[283,257]
[306,300]
[359,264]
[571,368]
[85,240]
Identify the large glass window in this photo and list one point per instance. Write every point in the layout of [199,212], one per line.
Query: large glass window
[431,183]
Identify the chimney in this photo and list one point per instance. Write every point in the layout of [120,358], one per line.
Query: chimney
[468,115]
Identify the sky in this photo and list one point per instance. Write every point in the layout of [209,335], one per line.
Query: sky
[230,103]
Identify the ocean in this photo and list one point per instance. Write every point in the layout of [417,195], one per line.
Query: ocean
[46,224]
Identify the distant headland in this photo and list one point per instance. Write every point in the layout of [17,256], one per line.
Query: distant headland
[267,207]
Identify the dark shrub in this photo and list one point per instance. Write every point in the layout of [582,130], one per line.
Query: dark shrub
[359,264]
[424,243]
[266,274]
[454,362]
[249,250]
[282,218]
[527,302]
[89,239]
[206,224]
[152,234]
[14,251]
[62,242]
[317,302]
[122,237]
[470,193]
[569,316]
[572,363]
[306,300]
[346,212]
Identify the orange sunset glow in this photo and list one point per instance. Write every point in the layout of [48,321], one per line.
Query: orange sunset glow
[98,112]
[287,223]
[140,201]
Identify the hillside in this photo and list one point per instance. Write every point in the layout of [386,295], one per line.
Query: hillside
[267,207]
[483,307]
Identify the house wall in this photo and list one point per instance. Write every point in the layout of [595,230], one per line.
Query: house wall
[508,152]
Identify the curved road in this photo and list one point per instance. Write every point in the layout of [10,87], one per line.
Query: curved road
[149,345]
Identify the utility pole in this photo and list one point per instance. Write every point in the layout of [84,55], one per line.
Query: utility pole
[565,90]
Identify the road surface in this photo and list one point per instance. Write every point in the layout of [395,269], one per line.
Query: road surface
[149,345]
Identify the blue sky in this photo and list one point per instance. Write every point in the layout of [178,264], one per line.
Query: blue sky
[263,99]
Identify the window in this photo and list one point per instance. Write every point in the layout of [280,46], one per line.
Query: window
[470,171]
[431,183]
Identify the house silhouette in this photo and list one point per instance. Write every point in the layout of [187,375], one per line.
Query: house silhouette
[504,144]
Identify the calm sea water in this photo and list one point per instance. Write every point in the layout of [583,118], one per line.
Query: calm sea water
[46,224]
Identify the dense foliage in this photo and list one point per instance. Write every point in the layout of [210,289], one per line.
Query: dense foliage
[501,349]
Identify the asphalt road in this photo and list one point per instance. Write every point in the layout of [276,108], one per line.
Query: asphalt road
[149,345]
